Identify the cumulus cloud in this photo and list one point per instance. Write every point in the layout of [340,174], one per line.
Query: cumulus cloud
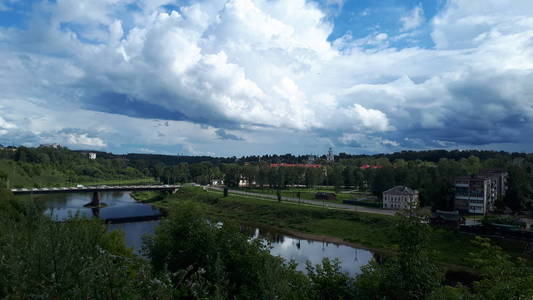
[84,140]
[413,19]
[469,24]
[251,69]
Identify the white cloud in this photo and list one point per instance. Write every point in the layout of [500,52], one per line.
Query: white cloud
[371,119]
[389,142]
[84,140]
[469,24]
[5,124]
[413,19]
[256,65]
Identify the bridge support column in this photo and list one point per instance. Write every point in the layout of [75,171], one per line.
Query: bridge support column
[95,201]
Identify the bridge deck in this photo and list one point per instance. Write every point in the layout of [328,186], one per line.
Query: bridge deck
[100,188]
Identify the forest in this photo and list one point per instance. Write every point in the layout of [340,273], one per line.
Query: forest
[430,172]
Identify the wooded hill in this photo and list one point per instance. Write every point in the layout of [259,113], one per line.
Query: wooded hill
[431,172]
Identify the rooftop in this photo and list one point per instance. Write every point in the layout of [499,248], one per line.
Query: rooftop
[473,178]
[296,165]
[401,190]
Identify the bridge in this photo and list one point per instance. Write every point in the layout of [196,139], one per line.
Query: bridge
[95,203]
[99,188]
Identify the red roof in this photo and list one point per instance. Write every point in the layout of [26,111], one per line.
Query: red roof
[364,167]
[296,165]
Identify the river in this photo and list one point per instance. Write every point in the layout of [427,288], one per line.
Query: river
[121,205]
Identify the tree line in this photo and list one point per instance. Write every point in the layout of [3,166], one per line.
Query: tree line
[433,180]
[430,172]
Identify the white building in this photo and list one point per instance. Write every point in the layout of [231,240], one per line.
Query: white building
[92,155]
[55,146]
[330,156]
[400,197]
[217,182]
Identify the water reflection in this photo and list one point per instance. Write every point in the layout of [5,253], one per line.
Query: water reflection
[133,233]
[302,250]
[291,248]
[117,205]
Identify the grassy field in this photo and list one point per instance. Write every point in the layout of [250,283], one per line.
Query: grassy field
[306,193]
[147,196]
[374,232]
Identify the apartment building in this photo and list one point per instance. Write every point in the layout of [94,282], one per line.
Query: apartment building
[473,194]
[400,197]
[477,194]
[500,177]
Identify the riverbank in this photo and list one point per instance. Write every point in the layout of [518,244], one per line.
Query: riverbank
[147,196]
[363,230]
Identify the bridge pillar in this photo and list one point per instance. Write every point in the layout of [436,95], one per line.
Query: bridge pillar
[96,211]
[95,201]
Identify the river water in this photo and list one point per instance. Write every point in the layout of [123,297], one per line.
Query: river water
[117,205]
[121,205]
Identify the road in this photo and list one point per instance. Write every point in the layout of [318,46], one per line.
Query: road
[311,202]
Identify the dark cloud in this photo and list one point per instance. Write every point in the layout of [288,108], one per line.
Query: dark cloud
[124,104]
[221,133]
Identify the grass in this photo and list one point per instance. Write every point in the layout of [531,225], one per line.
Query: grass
[147,196]
[375,232]
[309,193]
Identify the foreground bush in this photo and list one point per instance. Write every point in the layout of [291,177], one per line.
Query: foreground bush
[231,265]
[78,259]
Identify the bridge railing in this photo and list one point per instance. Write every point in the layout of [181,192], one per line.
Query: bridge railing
[94,188]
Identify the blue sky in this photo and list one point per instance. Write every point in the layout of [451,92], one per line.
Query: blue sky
[241,77]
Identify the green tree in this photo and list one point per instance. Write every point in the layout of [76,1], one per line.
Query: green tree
[313,177]
[76,259]
[232,174]
[230,264]
[335,177]
[518,189]
[383,180]
[502,277]
[410,275]
[329,282]
[3,180]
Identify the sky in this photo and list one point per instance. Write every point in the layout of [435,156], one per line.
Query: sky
[244,77]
